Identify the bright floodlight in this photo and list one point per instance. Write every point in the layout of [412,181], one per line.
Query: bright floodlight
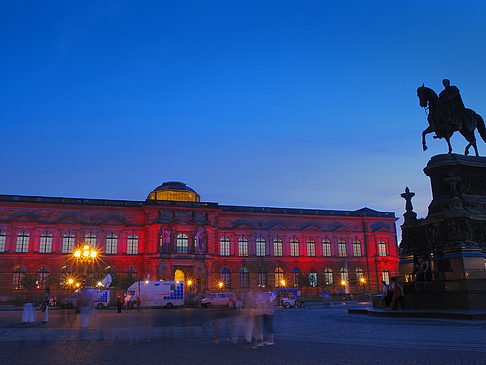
[77,254]
[86,253]
[70,281]
[100,283]
[93,254]
[146,281]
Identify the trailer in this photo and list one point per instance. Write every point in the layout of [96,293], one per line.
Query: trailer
[166,294]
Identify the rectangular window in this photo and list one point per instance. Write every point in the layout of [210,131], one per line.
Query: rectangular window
[294,248]
[382,249]
[2,241]
[326,248]
[357,248]
[224,248]
[243,246]
[342,248]
[311,248]
[277,247]
[260,247]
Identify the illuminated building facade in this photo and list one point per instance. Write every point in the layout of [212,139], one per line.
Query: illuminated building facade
[174,236]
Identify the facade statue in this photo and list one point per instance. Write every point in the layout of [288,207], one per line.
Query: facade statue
[447,115]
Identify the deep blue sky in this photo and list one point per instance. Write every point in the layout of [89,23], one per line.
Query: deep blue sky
[273,103]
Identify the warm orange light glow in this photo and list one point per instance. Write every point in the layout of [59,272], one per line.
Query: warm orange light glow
[93,254]
[77,284]
[282,282]
[86,247]
[220,284]
[70,281]
[86,253]
[343,282]
[77,254]
[189,282]
[362,280]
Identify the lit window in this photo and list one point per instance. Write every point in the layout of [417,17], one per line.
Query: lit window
[45,244]
[311,248]
[181,243]
[279,276]
[357,248]
[342,248]
[326,248]
[132,244]
[226,277]
[260,246]
[262,277]
[22,242]
[277,247]
[111,243]
[385,275]
[68,240]
[313,279]
[294,247]
[244,278]
[382,248]
[243,246]
[3,238]
[90,239]
[344,274]
[328,276]
[359,272]
[224,246]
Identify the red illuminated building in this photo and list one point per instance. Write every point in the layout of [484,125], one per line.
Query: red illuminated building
[172,235]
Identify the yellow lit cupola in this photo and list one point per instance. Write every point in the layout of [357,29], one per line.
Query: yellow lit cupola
[175,191]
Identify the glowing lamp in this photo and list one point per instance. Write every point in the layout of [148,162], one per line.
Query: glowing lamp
[220,284]
[86,247]
[189,282]
[93,254]
[343,282]
[77,254]
[70,281]
[77,284]
[282,282]
[362,280]
[146,281]
[86,253]
[100,283]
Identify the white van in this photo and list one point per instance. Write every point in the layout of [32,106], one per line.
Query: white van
[158,293]
[100,298]
[217,299]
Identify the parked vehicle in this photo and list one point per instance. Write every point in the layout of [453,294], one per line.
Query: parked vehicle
[218,300]
[100,298]
[288,298]
[166,294]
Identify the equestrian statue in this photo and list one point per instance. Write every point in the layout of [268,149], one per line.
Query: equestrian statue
[447,115]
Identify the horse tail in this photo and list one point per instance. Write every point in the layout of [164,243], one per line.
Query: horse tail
[481,127]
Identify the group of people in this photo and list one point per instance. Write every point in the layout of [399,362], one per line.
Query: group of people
[253,318]
[391,294]
[130,302]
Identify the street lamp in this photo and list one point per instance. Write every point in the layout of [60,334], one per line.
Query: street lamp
[86,255]
[220,285]
[282,283]
[362,280]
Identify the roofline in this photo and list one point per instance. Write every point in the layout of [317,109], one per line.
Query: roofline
[185,204]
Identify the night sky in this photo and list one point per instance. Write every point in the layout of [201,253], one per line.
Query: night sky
[270,103]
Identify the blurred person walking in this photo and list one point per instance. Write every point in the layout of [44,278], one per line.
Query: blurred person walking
[28,312]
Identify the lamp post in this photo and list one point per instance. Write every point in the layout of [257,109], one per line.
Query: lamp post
[362,280]
[86,255]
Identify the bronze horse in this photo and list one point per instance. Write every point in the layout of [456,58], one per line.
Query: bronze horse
[444,128]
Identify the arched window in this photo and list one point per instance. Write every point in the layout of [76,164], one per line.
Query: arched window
[328,276]
[90,239]
[226,277]
[68,240]
[385,275]
[277,247]
[131,272]
[296,276]
[357,248]
[224,246]
[22,242]
[279,277]
[181,243]
[342,248]
[262,277]
[294,247]
[45,244]
[243,246]
[3,238]
[382,248]
[313,279]
[42,275]
[111,243]
[244,278]
[179,275]
[132,244]
[326,247]
[260,246]
[359,272]
[18,277]
[344,274]
[311,247]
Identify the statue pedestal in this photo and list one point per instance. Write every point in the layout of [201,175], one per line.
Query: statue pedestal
[452,236]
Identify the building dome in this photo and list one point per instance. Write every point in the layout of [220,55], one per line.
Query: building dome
[175,191]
